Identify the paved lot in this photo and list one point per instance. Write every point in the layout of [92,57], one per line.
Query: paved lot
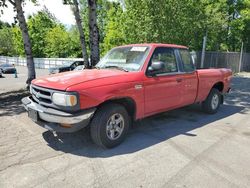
[181,148]
[10,83]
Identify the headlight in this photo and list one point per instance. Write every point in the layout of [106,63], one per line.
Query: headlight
[62,99]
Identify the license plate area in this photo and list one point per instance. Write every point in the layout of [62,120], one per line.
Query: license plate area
[32,114]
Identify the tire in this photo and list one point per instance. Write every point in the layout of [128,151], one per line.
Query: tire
[104,128]
[212,102]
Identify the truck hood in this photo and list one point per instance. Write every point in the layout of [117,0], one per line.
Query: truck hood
[62,81]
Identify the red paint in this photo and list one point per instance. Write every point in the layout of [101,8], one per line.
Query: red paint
[157,94]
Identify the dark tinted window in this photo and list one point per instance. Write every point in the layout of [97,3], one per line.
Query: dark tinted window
[188,65]
[167,56]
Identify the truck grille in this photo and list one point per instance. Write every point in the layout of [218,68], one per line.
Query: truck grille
[41,95]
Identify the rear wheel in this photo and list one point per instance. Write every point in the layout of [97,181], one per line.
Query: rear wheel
[213,101]
[110,125]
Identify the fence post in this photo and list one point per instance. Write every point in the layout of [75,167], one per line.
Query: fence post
[241,54]
[216,63]
[203,50]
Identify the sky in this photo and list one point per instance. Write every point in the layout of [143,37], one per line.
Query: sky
[60,11]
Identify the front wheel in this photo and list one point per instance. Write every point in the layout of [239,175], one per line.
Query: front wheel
[110,125]
[213,101]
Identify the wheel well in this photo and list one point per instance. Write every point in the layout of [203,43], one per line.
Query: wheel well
[127,102]
[219,86]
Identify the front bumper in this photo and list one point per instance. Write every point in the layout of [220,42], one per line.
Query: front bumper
[55,120]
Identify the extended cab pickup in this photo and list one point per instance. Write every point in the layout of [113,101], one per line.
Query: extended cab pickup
[129,83]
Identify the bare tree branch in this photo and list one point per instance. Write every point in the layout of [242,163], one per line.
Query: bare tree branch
[12,2]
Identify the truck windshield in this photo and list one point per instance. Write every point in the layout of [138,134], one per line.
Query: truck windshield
[124,58]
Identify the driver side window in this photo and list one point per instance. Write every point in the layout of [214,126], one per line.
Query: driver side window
[167,56]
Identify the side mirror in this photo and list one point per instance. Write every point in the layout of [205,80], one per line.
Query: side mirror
[156,66]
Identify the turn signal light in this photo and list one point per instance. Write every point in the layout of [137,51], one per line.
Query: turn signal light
[65,125]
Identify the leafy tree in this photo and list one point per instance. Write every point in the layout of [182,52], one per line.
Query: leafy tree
[102,19]
[76,11]
[245,15]
[158,21]
[57,42]
[103,6]
[17,5]
[39,24]
[4,24]
[114,27]
[6,42]
[75,46]
[17,41]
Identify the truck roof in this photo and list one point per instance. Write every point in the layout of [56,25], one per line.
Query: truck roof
[157,45]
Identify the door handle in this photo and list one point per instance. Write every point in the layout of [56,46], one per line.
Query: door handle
[178,79]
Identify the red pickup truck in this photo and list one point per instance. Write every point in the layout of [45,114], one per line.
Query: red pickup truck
[129,83]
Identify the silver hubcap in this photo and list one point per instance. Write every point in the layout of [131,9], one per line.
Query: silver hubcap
[115,126]
[215,101]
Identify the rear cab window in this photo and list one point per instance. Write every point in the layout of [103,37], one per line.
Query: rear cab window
[187,62]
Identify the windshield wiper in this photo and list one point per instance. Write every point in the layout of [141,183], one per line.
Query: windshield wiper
[116,67]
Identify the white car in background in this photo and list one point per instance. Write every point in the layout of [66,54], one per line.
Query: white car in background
[80,67]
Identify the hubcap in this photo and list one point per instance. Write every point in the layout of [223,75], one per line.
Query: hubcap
[115,126]
[215,101]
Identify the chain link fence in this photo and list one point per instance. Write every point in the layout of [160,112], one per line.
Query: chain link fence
[212,59]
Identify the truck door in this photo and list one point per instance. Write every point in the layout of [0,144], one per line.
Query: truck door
[162,90]
[189,82]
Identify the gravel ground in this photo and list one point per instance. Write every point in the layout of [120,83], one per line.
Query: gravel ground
[181,148]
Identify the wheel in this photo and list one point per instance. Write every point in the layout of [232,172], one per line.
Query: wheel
[110,125]
[213,101]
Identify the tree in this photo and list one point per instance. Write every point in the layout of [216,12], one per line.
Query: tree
[57,42]
[17,41]
[75,46]
[63,43]
[17,4]
[93,33]
[78,19]
[6,42]
[245,14]
[39,24]
[76,11]
[114,28]
[3,24]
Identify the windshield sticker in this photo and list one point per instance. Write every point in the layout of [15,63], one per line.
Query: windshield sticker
[138,49]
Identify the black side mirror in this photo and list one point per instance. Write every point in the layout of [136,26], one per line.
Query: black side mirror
[156,66]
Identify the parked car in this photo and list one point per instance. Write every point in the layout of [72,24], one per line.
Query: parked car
[71,67]
[80,67]
[7,68]
[1,74]
[130,83]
